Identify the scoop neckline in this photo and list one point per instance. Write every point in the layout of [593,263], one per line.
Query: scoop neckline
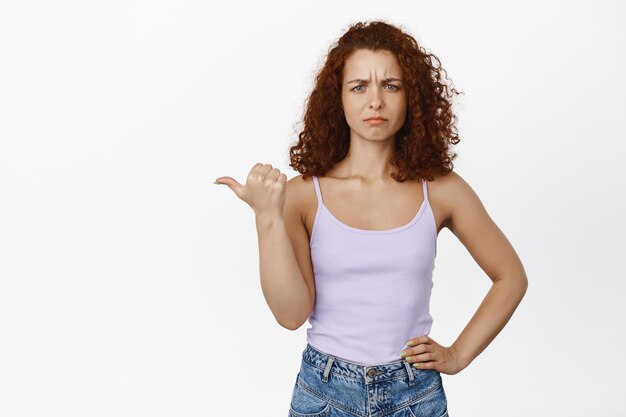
[376,232]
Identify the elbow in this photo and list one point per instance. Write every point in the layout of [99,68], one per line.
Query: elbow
[295,324]
[520,283]
[516,283]
[523,284]
[291,325]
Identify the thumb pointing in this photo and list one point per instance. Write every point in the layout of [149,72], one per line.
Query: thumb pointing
[231,182]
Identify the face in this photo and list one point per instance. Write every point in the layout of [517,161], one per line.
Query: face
[372,87]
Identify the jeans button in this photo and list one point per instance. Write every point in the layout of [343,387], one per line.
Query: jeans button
[372,373]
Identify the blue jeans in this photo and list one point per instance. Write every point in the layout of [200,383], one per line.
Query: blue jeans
[327,386]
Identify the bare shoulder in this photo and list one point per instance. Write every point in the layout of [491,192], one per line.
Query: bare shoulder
[470,222]
[296,202]
[451,193]
[299,194]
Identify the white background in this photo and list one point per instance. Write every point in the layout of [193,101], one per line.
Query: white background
[129,282]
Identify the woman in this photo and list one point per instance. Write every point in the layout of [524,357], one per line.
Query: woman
[353,250]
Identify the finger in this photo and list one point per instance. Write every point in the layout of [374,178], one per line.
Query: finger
[418,340]
[416,352]
[421,348]
[222,180]
[425,365]
[265,170]
[256,168]
[423,357]
[274,174]
[232,184]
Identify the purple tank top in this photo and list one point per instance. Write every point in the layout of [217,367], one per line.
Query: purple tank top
[372,286]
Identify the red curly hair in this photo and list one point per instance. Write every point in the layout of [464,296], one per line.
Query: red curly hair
[422,147]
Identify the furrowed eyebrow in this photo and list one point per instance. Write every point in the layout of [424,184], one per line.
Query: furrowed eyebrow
[359,80]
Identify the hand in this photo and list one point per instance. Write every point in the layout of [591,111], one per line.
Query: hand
[425,353]
[265,190]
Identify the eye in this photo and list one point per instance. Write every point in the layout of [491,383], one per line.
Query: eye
[395,87]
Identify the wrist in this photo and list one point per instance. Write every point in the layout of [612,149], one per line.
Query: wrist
[462,357]
[267,219]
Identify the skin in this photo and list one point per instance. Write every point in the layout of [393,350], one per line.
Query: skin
[365,174]
[371,146]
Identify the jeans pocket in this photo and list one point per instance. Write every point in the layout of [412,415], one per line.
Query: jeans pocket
[305,403]
[431,405]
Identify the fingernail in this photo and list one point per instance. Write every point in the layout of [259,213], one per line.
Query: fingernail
[218,183]
[416,364]
[410,343]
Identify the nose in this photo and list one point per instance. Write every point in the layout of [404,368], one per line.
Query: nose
[375,100]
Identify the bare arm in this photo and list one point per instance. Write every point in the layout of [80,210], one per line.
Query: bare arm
[471,224]
[286,274]
[467,218]
[283,285]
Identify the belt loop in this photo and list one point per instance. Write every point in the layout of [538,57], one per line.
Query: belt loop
[329,364]
[410,372]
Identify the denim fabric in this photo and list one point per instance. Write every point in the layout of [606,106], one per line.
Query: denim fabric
[327,386]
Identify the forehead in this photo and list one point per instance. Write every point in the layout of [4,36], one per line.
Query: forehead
[363,62]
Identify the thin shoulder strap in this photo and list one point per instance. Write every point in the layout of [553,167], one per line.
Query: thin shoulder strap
[425,188]
[317,189]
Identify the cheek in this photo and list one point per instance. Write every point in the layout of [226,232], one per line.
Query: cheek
[402,111]
[350,112]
